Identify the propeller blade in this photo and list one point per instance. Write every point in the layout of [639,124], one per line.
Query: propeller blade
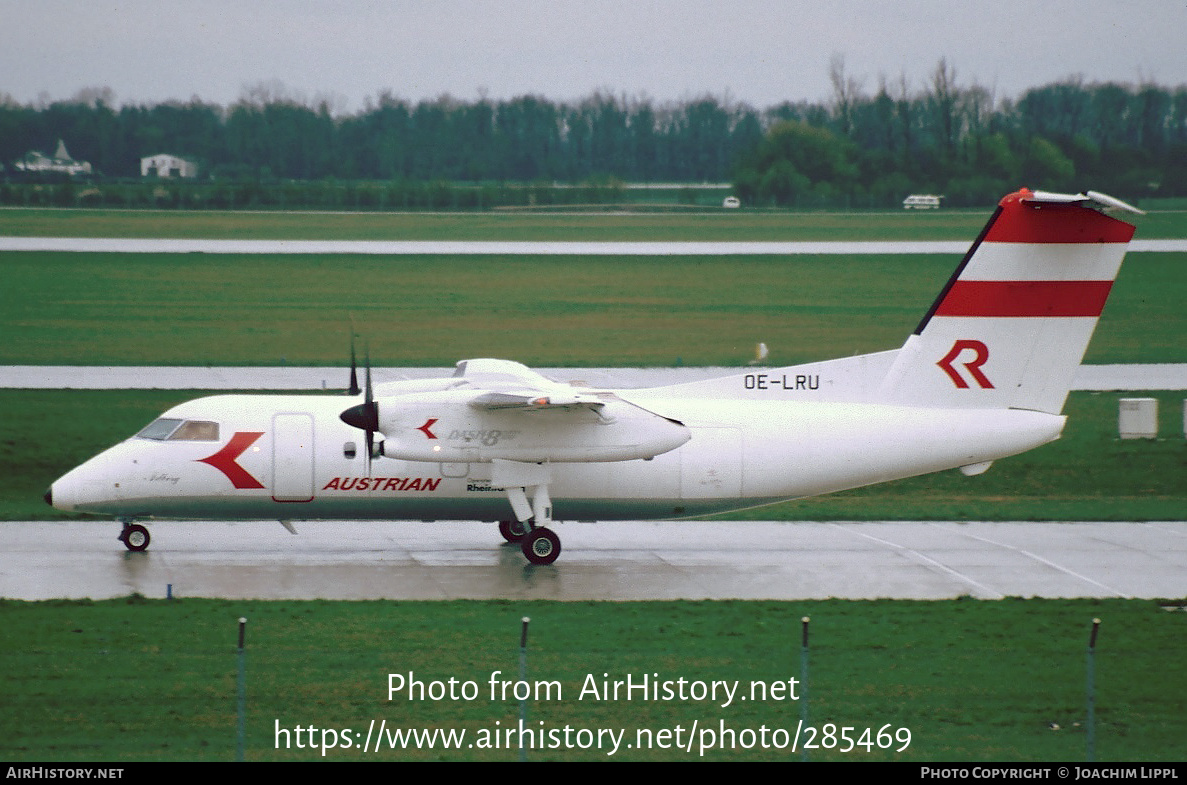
[367,349]
[354,371]
[354,365]
[372,410]
[365,415]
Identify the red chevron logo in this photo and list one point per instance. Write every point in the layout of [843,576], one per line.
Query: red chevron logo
[224,459]
[425,428]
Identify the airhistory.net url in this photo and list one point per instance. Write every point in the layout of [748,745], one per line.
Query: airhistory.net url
[697,739]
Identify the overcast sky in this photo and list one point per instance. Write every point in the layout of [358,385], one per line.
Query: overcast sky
[762,52]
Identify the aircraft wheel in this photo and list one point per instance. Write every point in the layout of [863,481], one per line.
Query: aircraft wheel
[513,531]
[135,537]
[541,546]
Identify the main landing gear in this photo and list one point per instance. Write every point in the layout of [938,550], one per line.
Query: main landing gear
[529,527]
[513,531]
[134,536]
[540,545]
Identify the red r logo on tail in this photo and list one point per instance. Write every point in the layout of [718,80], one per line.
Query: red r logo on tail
[973,366]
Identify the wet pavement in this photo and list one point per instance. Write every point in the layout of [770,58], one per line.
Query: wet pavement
[600,561]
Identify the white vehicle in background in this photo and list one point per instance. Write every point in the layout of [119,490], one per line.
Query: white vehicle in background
[922,202]
[731,202]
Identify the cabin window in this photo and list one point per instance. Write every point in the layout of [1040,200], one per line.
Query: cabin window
[196,431]
[349,450]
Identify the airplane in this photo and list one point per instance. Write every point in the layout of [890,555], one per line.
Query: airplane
[984,376]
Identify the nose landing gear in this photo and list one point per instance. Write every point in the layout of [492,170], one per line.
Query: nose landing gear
[134,536]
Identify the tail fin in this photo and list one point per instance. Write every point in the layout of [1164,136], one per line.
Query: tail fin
[1013,323]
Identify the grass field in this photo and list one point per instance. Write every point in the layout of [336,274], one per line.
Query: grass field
[199,309]
[972,681]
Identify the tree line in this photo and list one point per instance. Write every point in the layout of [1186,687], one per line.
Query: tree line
[524,139]
[964,143]
[859,147]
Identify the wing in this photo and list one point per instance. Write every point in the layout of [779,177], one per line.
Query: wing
[505,384]
[501,410]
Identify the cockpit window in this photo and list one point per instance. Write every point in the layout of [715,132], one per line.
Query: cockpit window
[159,429]
[168,429]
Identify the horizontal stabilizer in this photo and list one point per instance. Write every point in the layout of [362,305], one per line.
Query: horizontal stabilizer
[1086,199]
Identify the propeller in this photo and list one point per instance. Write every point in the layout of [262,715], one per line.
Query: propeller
[364,416]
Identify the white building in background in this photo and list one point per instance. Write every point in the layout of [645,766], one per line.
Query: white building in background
[165,165]
[36,161]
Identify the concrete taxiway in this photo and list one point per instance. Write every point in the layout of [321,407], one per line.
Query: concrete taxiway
[601,561]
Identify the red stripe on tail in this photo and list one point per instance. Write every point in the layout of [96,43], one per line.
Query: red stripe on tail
[1025,298]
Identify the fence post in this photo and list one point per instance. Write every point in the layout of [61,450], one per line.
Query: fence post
[523,677]
[242,691]
[1092,691]
[804,680]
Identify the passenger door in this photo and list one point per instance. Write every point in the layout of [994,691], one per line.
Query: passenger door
[292,457]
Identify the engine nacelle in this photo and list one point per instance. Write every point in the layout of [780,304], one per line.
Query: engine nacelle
[457,426]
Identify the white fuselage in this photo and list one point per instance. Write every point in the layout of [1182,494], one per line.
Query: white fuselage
[290,457]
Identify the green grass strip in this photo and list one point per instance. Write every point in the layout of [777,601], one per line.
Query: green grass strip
[202,309]
[135,679]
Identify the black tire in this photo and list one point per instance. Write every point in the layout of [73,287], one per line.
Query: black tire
[513,531]
[135,537]
[541,546]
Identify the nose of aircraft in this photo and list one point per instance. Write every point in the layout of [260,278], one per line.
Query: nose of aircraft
[99,484]
[60,495]
[80,488]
